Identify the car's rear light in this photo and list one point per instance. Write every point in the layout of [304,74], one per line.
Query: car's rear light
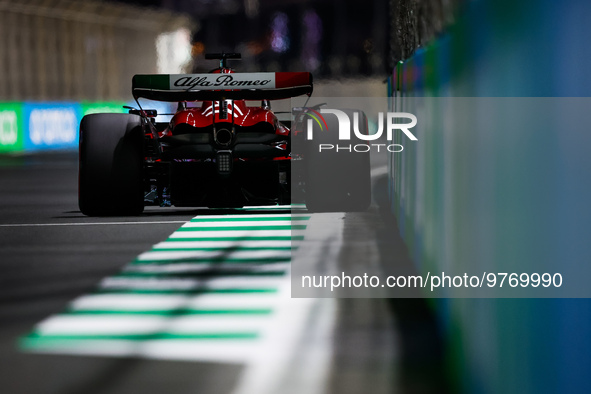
[223,137]
[224,162]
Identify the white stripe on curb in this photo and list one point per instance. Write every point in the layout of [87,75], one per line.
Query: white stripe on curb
[236,233]
[226,268]
[222,244]
[214,254]
[142,302]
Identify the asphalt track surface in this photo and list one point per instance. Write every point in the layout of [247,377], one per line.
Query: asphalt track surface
[50,254]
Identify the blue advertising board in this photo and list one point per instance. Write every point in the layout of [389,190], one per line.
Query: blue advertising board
[51,125]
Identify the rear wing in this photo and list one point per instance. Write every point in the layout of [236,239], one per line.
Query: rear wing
[234,86]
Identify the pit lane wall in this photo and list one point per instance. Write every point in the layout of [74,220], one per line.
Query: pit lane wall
[532,215]
[38,126]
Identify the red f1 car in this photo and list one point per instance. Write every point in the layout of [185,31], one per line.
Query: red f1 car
[216,151]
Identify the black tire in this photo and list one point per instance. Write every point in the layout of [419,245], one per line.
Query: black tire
[338,181]
[110,173]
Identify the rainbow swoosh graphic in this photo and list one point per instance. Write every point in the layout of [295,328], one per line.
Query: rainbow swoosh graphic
[318,118]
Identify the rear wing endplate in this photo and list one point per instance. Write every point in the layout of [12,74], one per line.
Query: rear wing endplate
[234,86]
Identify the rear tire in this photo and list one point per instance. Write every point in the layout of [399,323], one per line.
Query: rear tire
[110,174]
[337,181]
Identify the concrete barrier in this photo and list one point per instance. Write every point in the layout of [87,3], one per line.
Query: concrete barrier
[514,202]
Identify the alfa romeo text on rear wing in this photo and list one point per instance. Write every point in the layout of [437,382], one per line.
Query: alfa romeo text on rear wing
[234,86]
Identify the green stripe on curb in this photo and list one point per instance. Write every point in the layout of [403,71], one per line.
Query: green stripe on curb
[210,249]
[209,260]
[245,228]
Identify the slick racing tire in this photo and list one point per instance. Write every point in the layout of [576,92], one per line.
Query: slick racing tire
[338,180]
[110,174]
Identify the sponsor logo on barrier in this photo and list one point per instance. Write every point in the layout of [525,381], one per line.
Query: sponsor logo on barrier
[344,130]
[8,128]
[53,126]
[106,107]
[216,81]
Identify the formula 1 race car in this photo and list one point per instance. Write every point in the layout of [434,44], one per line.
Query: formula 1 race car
[216,151]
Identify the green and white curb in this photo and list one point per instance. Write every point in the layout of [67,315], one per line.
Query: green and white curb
[216,290]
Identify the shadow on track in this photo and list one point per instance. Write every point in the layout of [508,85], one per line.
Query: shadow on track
[423,359]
